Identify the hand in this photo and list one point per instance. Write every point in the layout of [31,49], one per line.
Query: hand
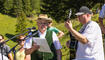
[68,43]
[68,25]
[35,46]
[32,49]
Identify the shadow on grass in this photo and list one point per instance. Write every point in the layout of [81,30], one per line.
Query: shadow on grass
[11,36]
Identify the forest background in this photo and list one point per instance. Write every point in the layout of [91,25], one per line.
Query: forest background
[17,15]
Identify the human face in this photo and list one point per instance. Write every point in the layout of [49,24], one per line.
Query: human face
[82,18]
[42,25]
[22,41]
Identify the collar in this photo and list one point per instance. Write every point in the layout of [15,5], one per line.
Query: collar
[42,35]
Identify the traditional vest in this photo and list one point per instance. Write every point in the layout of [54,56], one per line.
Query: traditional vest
[36,55]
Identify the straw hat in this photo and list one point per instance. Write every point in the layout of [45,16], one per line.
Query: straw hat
[44,17]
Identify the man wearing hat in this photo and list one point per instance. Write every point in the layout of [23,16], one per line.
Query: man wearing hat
[90,44]
[51,38]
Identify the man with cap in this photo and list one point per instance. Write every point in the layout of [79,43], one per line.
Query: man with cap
[51,38]
[90,44]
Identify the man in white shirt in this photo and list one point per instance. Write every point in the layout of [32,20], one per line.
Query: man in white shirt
[51,37]
[90,44]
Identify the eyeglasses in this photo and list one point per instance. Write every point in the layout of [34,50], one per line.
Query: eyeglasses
[42,23]
[49,22]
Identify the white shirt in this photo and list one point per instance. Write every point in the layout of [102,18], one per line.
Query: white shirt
[102,12]
[4,57]
[94,48]
[28,43]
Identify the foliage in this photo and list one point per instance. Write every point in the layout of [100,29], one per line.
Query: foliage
[8,23]
[7,6]
[35,5]
[26,7]
[54,8]
[59,9]
[21,23]
[7,28]
[12,7]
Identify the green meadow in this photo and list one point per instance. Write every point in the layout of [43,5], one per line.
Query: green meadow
[7,28]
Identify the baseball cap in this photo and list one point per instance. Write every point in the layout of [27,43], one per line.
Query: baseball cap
[83,10]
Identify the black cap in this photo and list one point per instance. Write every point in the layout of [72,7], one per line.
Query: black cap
[83,10]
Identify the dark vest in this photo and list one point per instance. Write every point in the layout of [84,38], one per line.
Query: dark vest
[36,55]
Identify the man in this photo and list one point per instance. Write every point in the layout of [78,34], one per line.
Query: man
[4,50]
[90,44]
[101,16]
[51,38]
[57,31]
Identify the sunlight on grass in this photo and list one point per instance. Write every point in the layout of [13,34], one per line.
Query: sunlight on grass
[7,28]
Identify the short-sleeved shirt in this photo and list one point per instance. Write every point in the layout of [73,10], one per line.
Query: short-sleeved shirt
[102,12]
[20,55]
[53,29]
[28,43]
[4,57]
[94,48]
[5,50]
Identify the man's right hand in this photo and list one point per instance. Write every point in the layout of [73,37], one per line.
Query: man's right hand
[32,49]
[35,46]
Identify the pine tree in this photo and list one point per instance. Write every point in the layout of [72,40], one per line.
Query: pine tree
[7,6]
[17,7]
[59,9]
[26,7]
[55,8]
[35,5]
[1,5]
[21,23]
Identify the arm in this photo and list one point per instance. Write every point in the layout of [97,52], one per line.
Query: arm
[10,56]
[76,34]
[57,46]
[32,49]
[9,53]
[59,54]
[60,34]
[79,36]
[102,25]
[27,57]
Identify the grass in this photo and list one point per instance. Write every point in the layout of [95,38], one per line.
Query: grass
[7,28]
